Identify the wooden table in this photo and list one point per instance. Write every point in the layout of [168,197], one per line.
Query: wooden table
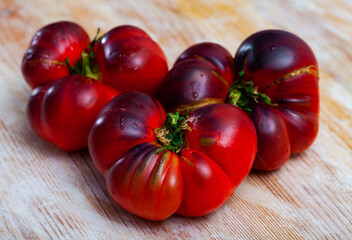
[46,193]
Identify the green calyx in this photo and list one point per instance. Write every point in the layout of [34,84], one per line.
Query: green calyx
[171,135]
[85,65]
[245,94]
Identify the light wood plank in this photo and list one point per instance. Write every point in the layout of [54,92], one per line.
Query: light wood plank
[46,193]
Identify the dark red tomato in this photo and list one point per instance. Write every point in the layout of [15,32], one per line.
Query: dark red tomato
[45,59]
[282,66]
[156,164]
[130,60]
[125,57]
[272,63]
[200,76]
[213,53]
[63,111]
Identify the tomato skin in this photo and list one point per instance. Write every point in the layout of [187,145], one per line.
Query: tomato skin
[280,65]
[34,110]
[297,100]
[206,188]
[146,183]
[44,60]
[216,129]
[154,184]
[268,55]
[222,146]
[200,76]
[130,60]
[185,85]
[284,68]
[62,112]
[273,138]
[126,121]
[213,53]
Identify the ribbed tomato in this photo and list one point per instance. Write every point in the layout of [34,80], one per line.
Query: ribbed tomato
[65,67]
[282,66]
[156,164]
[200,76]
[125,57]
[276,83]
[45,59]
[130,60]
[63,112]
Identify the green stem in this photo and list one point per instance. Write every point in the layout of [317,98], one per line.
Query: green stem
[245,94]
[86,67]
[171,135]
[233,97]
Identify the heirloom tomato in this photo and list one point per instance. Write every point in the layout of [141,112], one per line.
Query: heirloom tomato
[276,83]
[70,72]
[283,67]
[125,57]
[130,60]
[63,112]
[200,76]
[63,107]
[156,164]
[45,59]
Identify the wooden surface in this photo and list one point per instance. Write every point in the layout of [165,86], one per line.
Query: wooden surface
[46,193]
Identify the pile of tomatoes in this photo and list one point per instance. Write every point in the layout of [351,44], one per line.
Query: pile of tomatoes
[177,141]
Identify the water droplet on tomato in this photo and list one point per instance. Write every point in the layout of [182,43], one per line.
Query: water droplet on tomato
[194,94]
[122,127]
[273,48]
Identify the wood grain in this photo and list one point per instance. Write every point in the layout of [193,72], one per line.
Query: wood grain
[46,193]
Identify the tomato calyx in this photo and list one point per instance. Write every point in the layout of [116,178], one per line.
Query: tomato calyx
[171,135]
[245,94]
[85,66]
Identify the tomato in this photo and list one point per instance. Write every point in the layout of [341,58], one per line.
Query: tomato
[63,112]
[69,74]
[45,59]
[63,107]
[125,57]
[201,76]
[156,165]
[213,53]
[276,83]
[130,60]
[282,66]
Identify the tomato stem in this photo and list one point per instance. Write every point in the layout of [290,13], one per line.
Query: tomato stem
[245,94]
[87,68]
[96,39]
[85,65]
[171,135]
